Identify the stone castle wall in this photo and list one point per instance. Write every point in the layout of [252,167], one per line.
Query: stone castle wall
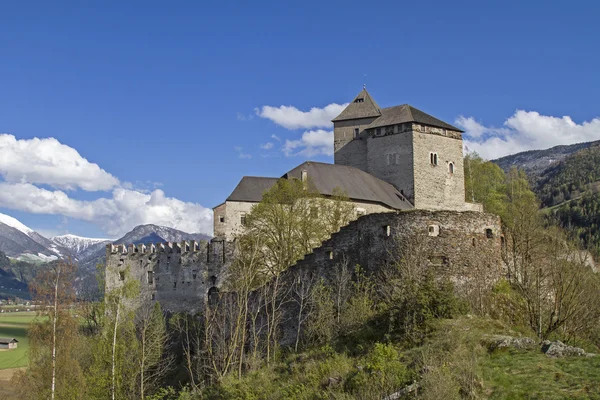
[178,275]
[464,247]
[436,187]
[454,241]
[390,158]
[400,154]
[181,276]
[348,148]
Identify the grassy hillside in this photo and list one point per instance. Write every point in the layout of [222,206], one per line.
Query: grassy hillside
[454,362]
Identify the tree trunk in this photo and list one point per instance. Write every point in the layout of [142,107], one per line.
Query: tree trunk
[114,349]
[54,334]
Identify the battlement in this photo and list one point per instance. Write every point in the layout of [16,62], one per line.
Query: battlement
[162,247]
[179,275]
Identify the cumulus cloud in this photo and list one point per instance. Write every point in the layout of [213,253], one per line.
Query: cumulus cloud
[47,161]
[312,143]
[267,146]
[115,215]
[290,117]
[526,130]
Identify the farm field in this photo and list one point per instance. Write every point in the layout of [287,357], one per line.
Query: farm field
[15,325]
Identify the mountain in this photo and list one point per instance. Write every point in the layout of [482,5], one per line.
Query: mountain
[149,233]
[534,162]
[80,248]
[566,179]
[23,243]
[18,241]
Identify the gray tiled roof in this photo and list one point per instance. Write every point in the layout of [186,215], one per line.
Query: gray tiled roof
[8,340]
[357,184]
[407,113]
[252,188]
[360,109]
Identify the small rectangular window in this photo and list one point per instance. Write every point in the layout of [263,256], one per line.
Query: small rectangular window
[243,219]
[356,130]
[150,277]
[489,233]
[378,131]
[221,218]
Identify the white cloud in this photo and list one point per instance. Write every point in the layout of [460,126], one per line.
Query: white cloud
[240,151]
[267,146]
[291,118]
[47,161]
[317,142]
[526,130]
[275,137]
[115,215]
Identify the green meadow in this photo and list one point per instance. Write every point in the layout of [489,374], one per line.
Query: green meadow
[15,325]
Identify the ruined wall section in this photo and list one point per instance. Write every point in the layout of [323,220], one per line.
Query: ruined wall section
[460,245]
[180,276]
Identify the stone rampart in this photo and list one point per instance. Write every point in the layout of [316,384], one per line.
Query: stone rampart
[178,275]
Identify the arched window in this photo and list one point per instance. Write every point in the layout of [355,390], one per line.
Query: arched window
[451,168]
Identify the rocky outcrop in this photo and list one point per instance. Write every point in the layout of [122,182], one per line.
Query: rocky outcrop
[497,342]
[559,349]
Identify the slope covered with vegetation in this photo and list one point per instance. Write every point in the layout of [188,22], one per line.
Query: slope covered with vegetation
[402,332]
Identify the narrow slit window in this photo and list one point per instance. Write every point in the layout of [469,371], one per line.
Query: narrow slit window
[451,168]
[150,277]
[356,130]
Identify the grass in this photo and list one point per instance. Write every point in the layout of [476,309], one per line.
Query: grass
[15,325]
[532,375]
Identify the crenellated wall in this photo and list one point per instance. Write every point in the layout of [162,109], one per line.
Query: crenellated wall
[181,276]
[178,275]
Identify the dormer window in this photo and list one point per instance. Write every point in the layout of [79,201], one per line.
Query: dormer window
[359,100]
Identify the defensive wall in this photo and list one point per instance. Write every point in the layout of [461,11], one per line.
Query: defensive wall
[458,245]
[180,276]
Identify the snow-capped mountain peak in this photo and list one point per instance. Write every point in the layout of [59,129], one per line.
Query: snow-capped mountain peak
[77,244]
[14,223]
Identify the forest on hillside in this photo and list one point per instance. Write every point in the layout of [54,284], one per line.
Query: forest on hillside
[570,190]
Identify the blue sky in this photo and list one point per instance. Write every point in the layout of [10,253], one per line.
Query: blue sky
[152,111]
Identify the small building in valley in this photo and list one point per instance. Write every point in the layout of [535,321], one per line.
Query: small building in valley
[8,343]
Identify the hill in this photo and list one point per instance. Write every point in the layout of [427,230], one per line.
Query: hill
[566,179]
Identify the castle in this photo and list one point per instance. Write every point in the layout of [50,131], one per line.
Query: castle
[400,163]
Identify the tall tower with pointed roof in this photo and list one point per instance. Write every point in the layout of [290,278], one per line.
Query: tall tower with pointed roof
[417,153]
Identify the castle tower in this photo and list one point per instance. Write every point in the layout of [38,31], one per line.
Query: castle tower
[349,125]
[419,154]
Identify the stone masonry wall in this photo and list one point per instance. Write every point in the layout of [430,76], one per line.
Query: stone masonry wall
[461,246]
[390,158]
[456,236]
[178,275]
[435,187]
[349,150]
